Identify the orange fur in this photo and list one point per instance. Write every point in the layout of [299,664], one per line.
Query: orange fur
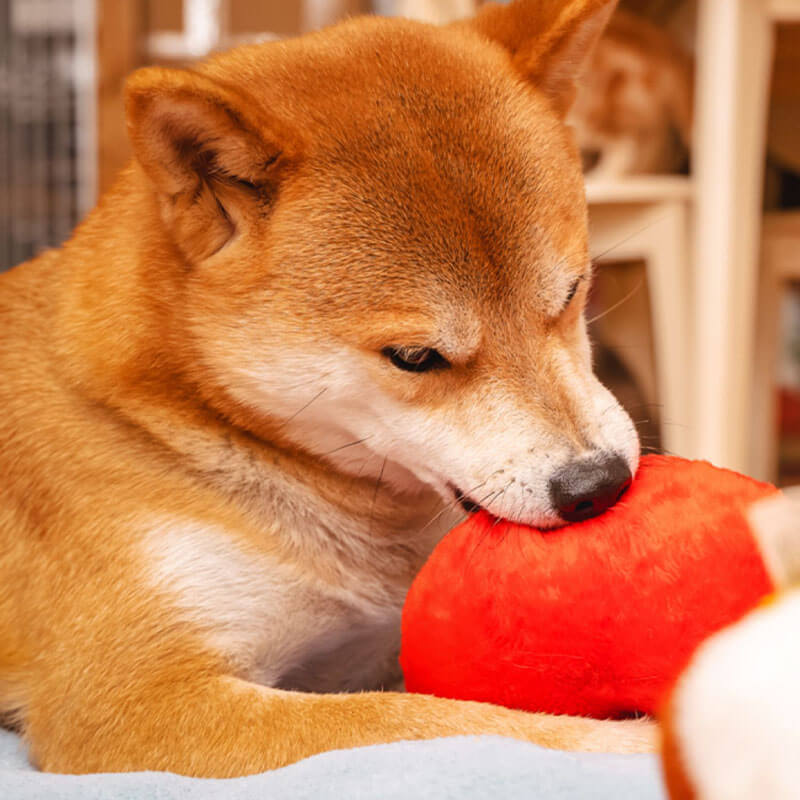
[284,197]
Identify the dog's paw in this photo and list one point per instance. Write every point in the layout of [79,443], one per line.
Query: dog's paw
[620,736]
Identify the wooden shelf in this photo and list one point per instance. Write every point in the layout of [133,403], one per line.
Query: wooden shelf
[639,189]
[784,10]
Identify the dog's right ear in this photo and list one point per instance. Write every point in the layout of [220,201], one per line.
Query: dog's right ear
[549,41]
[212,155]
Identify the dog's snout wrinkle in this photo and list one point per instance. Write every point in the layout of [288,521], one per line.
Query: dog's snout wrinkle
[587,487]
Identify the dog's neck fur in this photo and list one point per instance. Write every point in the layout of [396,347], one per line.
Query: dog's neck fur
[135,338]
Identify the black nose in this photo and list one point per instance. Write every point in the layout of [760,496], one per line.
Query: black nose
[586,488]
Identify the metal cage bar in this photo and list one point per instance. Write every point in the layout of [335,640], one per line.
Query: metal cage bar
[47,123]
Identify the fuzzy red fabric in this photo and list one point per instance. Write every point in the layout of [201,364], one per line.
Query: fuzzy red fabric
[597,618]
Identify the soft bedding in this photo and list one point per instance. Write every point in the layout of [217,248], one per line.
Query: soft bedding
[460,768]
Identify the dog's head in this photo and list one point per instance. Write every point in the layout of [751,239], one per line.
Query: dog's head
[383,230]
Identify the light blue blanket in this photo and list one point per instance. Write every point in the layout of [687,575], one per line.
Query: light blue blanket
[460,768]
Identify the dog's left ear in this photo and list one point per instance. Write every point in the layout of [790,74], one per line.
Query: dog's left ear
[549,40]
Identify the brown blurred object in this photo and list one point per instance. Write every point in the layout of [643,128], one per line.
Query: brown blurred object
[163,15]
[242,16]
[783,141]
[123,30]
[120,30]
[633,112]
[656,10]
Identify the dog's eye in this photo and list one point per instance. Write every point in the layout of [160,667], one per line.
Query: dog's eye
[572,291]
[415,359]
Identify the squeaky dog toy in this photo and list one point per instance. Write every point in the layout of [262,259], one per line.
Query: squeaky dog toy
[597,618]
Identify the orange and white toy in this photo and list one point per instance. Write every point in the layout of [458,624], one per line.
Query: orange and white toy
[732,726]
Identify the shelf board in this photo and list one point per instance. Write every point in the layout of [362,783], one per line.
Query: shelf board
[638,189]
[784,10]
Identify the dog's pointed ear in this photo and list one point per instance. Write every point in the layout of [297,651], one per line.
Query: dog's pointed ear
[211,154]
[549,40]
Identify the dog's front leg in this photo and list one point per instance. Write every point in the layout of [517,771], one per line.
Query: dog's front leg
[194,722]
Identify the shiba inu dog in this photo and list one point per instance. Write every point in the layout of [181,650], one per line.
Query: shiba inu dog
[336,295]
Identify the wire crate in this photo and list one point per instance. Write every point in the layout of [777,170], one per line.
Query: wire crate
[47,123]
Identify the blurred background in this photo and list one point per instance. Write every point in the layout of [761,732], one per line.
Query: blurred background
[688,120]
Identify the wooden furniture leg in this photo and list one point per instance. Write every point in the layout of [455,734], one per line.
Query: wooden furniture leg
[657,233]
[735,43]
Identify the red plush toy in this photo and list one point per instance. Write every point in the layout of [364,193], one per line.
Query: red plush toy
[597,618]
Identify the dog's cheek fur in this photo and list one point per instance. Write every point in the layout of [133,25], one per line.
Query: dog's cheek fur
[498,445]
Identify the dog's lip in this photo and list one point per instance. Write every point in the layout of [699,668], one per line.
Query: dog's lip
[467,503]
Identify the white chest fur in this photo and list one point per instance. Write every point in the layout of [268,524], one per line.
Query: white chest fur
[278,625]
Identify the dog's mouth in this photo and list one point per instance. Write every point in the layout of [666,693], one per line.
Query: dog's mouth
[469,505]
